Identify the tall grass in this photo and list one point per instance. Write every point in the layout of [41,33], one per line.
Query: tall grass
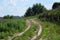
[51,31]
[29,34]
[10,26]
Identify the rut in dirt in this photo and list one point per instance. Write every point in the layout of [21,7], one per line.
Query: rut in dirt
[20,34]
[39,30]
[28,23]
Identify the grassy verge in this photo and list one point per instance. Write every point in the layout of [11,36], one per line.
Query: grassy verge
[51,31]
[10,26]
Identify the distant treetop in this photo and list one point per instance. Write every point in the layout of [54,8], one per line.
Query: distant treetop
[35,9]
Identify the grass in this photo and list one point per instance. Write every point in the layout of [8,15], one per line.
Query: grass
[51,31]
[32,17]
[10,26]
[29,34]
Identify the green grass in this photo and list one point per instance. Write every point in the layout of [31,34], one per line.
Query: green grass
[10,26]
[29,34]
[32,17]
[51,31]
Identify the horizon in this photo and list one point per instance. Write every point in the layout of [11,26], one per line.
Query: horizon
[19,7]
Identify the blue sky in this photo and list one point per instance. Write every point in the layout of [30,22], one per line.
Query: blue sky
[19,7]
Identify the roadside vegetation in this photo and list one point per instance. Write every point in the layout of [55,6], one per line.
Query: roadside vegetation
[10,26]
[50,30]
[29,34]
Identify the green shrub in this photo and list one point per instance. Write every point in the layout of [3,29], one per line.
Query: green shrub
[52,15]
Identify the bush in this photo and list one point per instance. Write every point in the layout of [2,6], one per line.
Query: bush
[56,5]
[2,29]
[53,15]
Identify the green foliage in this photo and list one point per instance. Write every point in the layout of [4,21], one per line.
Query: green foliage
[29,12]
[8,17]
[2,29]
[50,31]
[36,9]
[56,5]
[11,26]
[29,34]
[52,15]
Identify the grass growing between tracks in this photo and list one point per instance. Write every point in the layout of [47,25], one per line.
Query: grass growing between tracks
[29,34]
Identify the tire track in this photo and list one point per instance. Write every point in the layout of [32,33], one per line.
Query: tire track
[20,34]
[39,31]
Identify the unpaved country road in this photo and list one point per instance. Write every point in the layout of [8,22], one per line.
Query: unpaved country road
[28,23]
[39,31]
[19,34]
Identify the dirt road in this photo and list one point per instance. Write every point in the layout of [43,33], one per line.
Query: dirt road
[39,30]
[28,23]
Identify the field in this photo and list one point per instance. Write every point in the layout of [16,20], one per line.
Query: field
[10,26]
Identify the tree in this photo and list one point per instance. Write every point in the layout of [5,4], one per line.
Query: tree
[8,17]
[52,15]
[11,17]
[36,9]
[56,5]
[29,12]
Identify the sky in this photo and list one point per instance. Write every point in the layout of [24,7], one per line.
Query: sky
[19,7]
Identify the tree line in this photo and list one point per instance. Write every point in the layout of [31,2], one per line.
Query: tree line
[8,17]
[51,15]
[38,9]
[35,10]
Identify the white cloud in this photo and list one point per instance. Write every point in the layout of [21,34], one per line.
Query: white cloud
[24,0]
[13,2]
[9,5]
[12,7]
